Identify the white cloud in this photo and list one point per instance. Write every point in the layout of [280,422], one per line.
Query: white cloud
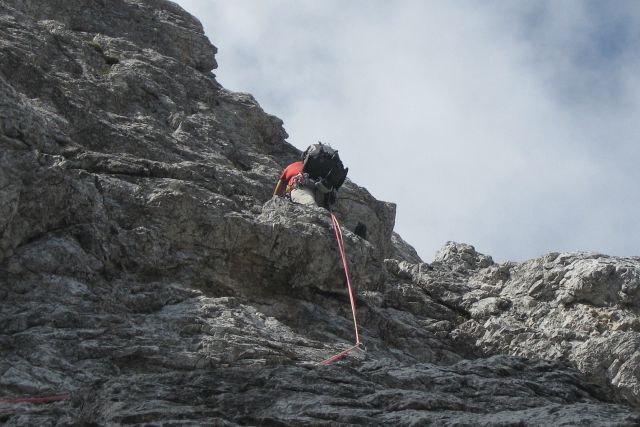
[507,125]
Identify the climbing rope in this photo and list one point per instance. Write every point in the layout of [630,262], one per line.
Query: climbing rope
[40,399]
[339,239]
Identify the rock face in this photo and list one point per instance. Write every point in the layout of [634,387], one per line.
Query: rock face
[146,273]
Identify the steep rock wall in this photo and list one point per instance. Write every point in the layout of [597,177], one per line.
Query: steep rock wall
[145,271]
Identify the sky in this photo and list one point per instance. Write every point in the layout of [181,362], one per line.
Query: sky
[510,126]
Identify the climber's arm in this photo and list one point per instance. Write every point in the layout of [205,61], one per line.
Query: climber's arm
[280,187]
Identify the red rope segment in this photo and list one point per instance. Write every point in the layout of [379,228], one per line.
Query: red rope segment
[338,233]
[53,398]
[339,356]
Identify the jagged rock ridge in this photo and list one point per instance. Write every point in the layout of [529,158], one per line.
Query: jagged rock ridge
[144,270]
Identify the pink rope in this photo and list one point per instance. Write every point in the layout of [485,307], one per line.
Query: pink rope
[338,233]
[336,228]
[40,399]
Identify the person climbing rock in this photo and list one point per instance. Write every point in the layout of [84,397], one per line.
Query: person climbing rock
[315,179]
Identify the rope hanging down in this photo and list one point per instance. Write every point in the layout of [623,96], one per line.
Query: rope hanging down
[339,239]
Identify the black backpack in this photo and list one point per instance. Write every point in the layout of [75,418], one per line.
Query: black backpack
[323,165]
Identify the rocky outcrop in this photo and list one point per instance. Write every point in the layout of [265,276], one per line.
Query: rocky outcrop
[146,271]
[579,308]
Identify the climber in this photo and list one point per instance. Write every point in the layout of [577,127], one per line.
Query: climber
[315,179]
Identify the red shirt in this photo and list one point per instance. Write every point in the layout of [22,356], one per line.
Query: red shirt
[291,171]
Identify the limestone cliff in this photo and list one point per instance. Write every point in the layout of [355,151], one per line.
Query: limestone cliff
[146,274]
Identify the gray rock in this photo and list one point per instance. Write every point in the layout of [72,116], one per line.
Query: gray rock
[153,24]
[579,308]
[146,271]
[403,250]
